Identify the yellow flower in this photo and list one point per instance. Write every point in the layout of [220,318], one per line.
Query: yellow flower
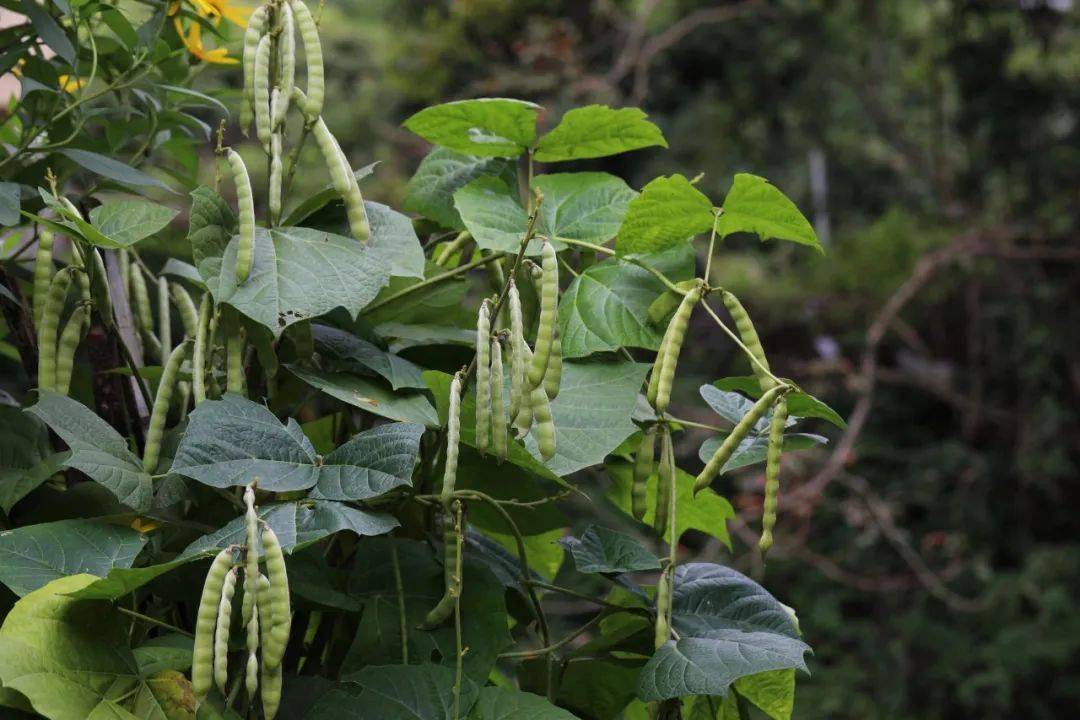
[71,83]
[215,11]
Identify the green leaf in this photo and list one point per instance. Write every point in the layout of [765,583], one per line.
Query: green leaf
[488,127]
[773,692]
[394,240]
[496,703]
[494,216]
[754,449]
[800,404]
[26,458]
[378,637]
[442,173]
[600,550]
[298,274]
[607,306]
[404,405]
[49,30]
[112,169]
[35,555]
[410,692]
[96,449]
[754,205]
[126,222]
[9,203]
[165,652]
[210,225]
[708,512]
[668,211]
[597,131]
[729,627]
[65,655]
[585,206]
[342,351]
[320,199]
[231,441]
[121,581]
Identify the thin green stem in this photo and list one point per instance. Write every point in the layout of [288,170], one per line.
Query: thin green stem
[738,341]
[712,246]
[694,423]
[668,283]
[562,642]
[434,280]
[153,621]
[580,595]
[399,588]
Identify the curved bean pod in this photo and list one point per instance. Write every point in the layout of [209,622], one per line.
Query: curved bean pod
[73,333]
[453,438]
[452,571]
[202,661]
[543,422]
[256,27]
[221,633]
[672,346]
[43,268]
[164,316]
[189,316]
[498,407]
[518,350]
[280,604]
[261,92]
[736,436]
[160,412]
[49,326]
[483,378]
[748,335]
[286,46]
[549,311]
[309,35]
[644,460]
[198,354]
[245,200]
[665,483]
[772,473]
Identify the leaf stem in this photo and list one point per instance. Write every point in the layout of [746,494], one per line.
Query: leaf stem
[154,621]
[738,341]
[712,246]
[433,280]
[668,283]
[399,588]
[562,642]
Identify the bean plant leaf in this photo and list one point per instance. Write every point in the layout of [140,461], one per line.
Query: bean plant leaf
[35,555]
[668,211]
[411,692]
[773,692]
[500,703]
[754,449]
[442,173]
[600,550]
[393,238]
[26,459]
[112,169]
[9,203]
[755,205]
[800,404]
[488,127]
[233,441]
[728,626]
[585,206]
[607,306]
[210,225]
[126,222]
[494,216]
[324,196]
[96,449]
[298,274]
[403,405]
[597,131]
[342,351]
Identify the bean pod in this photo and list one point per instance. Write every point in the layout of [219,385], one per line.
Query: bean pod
[73,332]
[261,92]
[256,27]
[672,346]
[309,35]
[748,334]
[665,483]
[736,436]
[221,633]
[160,412]
[245,200]
[140,297]
[498,406]
[202,660]
[644,460]
[198,353]
[280,605]
[189,316]
[663,609]
[43,270]
[772,473]
[543,422]
[549,311]
[99,289]
[164,316]
[518,350]
[49,326]
[453,438]
[452,571]
[234,362]
[286,46]
[344,181]
[251,557]
[483,378]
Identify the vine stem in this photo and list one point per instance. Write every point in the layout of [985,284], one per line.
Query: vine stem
[738,341]
[633,261]
[460,659]
[712,246]
[562,642]
[399,588]
[154,621]
[581,596]
[434,280]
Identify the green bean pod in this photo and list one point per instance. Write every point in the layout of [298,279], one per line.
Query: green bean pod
[309,36]
[665,483]
[256,28]
[123,257]
[448,250]
[49,326]
[245,200]
[498,406]
[234,362]
[280,605]
[518,350]
[523,421]
[164,315]
[183,399]
[271,691]
[543,422]
[198,353]
[189,316]
[43,270]
[483,378]
[452,571]
[160,412]
[73,333]
[251,558]
[202,660]
[663,609]
[772,473]
[261,92]
[736,436]
[274,191]
[140,297]
[251,673]
[748,335]
[549,316]
[453,438]
[265,614]
[644,460]
[672,346]
[344,181]
[221,633]
[99,289]
[286,46]
[553,375]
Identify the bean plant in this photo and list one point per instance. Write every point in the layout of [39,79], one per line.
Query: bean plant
[329,473]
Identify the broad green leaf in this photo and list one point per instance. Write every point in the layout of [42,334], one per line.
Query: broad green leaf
[344,352]
[442,173]
[297,525]
[599,688]
[393,238]
[754,449]
[112,169]
[600,550]
[121,581]
[169,693]
[410,692]
[591,413]
[66,656]
[754,205]
[35,555]
[495,703]
[800,404]
[494,216]
[210,225]
[585,206]
[607,306]
[320,199]
[668,211]
[298,274]
[232,441]
[26,458]
[186,271]
[488,127]
[708,512]
[126,222]
[729,627]
[404,405]
[378,637]
[9,203]
[773,692]
[49,30]
[596,131]
[96,449]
